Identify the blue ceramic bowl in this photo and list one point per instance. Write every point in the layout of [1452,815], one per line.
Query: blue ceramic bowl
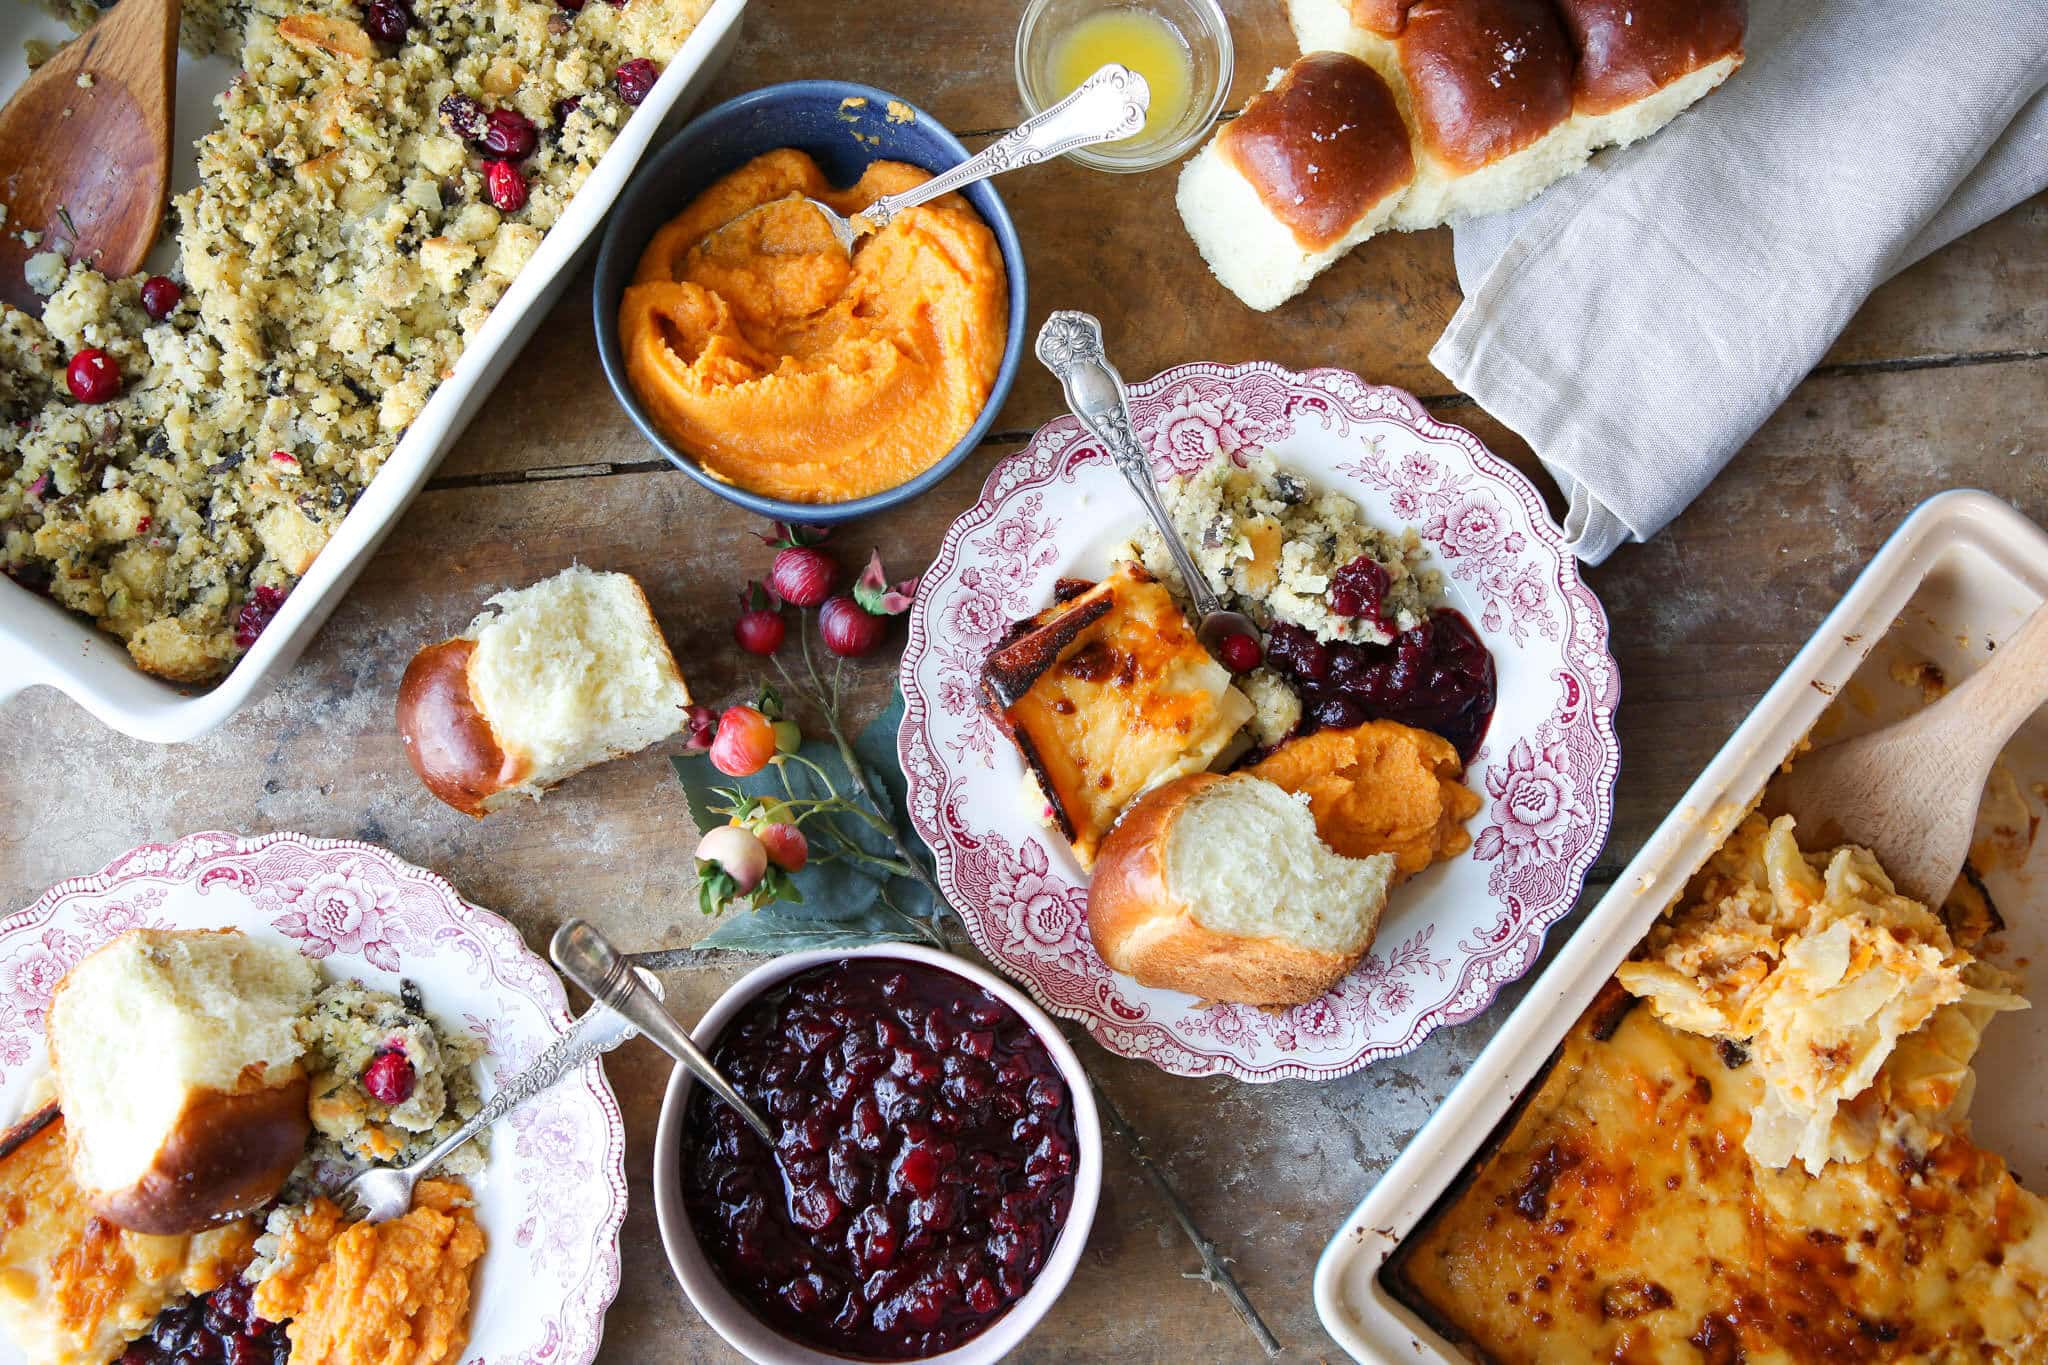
[813,117]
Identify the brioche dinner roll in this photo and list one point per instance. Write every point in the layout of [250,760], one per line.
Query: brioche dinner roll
[1314,166]
[176,1059]
[547,681]
[1495,100]
[1218,886]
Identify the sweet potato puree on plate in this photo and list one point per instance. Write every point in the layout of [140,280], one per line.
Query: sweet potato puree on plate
[788,369]
[394,1293]
[1380,787]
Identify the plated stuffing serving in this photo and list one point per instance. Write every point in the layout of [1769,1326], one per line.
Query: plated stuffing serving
[170,1200]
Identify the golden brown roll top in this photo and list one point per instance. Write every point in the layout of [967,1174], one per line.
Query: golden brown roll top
[1628,50]
[1488,78]
[447,740]
[1323,148]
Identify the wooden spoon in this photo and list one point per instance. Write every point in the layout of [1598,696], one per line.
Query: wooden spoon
[89,166]
[1909,792]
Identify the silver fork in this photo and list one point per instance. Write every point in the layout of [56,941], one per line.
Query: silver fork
[385,1192]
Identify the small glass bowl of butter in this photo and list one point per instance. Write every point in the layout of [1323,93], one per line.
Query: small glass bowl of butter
[1181,47]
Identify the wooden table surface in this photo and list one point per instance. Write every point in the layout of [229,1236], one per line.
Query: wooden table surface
[1941,381]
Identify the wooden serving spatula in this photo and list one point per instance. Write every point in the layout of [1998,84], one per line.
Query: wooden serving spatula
[89,165]
[1909,792]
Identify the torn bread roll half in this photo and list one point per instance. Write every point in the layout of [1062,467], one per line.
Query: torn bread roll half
[1497,100]
[176,1059]
[547,681]
[1314,166]
[1219,887]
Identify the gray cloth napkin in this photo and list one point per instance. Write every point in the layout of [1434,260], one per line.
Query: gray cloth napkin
[1639,321]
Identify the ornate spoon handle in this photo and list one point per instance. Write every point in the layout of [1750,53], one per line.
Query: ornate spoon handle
[1070,345]
[595,1032]
[1108,105]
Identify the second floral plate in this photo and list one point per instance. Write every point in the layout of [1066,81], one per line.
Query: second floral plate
[1452,937]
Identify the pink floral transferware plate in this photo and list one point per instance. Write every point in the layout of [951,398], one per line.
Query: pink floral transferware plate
[1452,936]
[552,1266]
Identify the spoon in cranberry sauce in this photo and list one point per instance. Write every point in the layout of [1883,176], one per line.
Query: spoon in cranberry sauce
[587,958]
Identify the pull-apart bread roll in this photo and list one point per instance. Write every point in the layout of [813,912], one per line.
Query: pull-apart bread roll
[1218,886]
[1314,166]
[176,1057]
[1489,87]
[555,677]
[1643,62]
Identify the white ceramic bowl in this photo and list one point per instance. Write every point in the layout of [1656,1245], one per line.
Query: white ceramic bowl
[732,1319]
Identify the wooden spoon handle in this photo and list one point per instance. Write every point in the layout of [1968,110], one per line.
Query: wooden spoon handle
[1997,699]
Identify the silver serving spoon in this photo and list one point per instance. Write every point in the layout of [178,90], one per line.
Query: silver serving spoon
[1070,345]
[1110,104]
[588,959]
[385,1192]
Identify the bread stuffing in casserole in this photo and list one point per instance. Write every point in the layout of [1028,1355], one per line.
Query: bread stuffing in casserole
[177,450]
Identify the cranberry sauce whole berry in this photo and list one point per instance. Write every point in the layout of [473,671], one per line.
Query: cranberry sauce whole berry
[925,1168]
[1437,677]
[221,1329]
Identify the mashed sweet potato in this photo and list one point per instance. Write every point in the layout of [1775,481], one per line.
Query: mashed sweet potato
[393,1293]
[1381,787]
[793,371]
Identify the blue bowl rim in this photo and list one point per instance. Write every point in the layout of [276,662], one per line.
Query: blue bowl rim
[606,311]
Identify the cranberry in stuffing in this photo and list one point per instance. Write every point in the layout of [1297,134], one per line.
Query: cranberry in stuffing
[388,21]
[634,79]
[510,134]
[160,295]
[92,376]
[463,117]
[505,186]
[256,613]
[390,1077]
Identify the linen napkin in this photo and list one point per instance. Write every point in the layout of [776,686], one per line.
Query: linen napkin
[1638,321]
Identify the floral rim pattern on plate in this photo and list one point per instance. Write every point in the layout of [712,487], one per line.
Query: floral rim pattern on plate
[1453,937]
[365,913]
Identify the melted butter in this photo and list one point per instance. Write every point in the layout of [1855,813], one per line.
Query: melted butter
[1144,42]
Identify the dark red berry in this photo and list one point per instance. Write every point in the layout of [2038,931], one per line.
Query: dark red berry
[505,185]
[388,21]
[256,614]
[389,1078]
[1241,653]
[1359,587]
[93,376]
[510,134]
[759,631]
[634,79]
[801,576]
[566,107]
[463,117]
[160,295]
[848,629]
[570,5]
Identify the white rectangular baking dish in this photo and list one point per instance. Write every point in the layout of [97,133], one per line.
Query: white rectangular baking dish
[1959,575]
[41,643]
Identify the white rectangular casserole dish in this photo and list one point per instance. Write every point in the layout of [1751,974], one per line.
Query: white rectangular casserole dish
[42,643]
[1960,574]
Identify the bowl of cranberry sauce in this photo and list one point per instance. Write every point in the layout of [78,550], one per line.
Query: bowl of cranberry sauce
[935,1175]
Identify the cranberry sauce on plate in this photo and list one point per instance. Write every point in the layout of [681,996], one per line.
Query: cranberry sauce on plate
[219,1329]
[925,1167]
[1436,677]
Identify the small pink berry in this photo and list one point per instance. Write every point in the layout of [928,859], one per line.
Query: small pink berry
[389,1078]
[801,575]
[759,630]
[847,629]
[505,186]
[92,376]
[786,845]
